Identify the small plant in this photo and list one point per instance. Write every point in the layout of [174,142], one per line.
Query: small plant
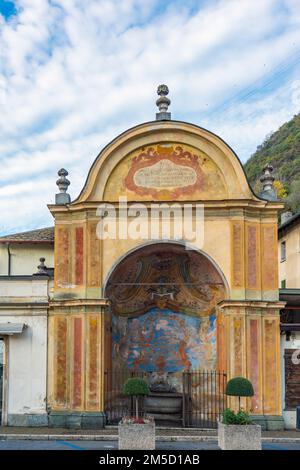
[136,387]
[230,417]
[131,420]
[239,387]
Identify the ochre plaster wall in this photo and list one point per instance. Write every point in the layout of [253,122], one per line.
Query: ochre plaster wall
[240,238]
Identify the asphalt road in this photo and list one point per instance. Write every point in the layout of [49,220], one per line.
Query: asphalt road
[110,445]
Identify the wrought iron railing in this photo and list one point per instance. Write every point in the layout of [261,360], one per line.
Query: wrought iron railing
[203,396]
[117,404]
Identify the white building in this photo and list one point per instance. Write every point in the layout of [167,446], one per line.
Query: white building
[289,283]
[24,295]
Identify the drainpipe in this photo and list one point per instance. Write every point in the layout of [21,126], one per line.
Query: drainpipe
[9,259]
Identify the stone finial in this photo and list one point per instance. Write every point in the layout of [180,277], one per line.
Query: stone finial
[267,180]
[63,183]
[42,268]
[163,103]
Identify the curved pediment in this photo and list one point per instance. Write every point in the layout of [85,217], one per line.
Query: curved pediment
[166,171]
[166,160]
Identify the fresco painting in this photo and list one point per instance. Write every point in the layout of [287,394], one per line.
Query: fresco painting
[166,171]
[165,276]
[165,341]
[162,311]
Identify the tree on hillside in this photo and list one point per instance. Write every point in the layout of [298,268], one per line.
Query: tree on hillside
[282,150]
[293,199]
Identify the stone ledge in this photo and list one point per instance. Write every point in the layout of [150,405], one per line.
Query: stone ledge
[269,422]
[79,420]
[28,420]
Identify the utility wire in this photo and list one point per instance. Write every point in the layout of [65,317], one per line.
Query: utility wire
[241,96]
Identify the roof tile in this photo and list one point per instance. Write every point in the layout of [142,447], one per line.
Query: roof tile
[39,235]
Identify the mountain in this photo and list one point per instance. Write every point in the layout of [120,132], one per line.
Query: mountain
[282,150]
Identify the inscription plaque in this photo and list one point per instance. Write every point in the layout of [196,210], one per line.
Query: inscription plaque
[165,174]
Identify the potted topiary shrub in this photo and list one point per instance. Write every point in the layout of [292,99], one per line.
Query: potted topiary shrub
[235,430]
[136,432]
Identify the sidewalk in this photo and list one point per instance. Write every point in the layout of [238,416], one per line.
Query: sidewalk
[110,433]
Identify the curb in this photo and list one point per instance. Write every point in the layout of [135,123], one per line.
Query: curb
[114,437]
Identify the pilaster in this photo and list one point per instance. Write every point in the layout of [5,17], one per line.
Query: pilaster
[76,360]
[249,346]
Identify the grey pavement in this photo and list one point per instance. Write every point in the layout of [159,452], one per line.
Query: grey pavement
[111,445]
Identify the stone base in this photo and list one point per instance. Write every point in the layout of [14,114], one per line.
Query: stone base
[27,420]
[77,420]
[136,436]
[239,437]
[275,423]
[164,407]
[269,422]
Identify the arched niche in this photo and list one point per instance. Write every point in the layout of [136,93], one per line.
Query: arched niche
[162,311]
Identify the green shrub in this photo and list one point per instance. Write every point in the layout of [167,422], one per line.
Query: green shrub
[239,387]
[136,387]
[230,417]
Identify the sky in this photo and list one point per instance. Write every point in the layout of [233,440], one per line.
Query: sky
[74,74]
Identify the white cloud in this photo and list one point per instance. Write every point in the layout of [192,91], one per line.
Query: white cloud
[74,74]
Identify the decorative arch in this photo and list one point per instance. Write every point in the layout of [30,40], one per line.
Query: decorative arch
[202,165]
[185,245]
[163,301]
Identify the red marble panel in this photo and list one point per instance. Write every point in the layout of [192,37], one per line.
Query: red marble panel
[62,255]
[79,256]
[237,347]
[251,257]
[93,362]
[61,360]
[254,364]
[269,257]
[221,343]
[94,268]
[237,255]
[77,356]
[270,382]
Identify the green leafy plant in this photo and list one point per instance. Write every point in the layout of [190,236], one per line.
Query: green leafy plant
[134,420]
[282,150]
[239,387]
[230,417]
[136,387]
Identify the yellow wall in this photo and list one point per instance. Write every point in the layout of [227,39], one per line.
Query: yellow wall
[289,269]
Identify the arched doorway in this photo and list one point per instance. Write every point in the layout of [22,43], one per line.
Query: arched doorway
[162,316]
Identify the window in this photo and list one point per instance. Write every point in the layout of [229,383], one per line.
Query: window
[282,251]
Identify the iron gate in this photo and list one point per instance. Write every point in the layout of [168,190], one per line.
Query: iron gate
[203,397]
[117,404]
